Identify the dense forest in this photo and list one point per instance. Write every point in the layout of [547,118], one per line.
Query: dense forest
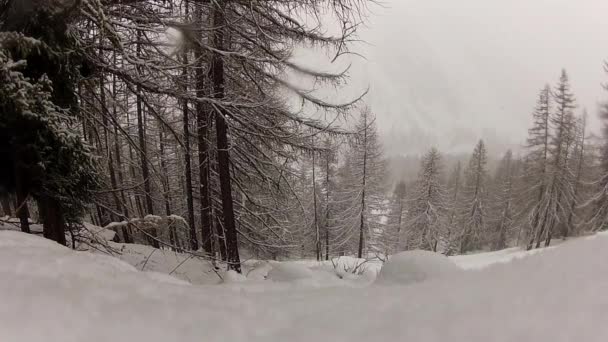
[187,125]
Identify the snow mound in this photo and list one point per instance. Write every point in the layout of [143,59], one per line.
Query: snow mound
[232,276]
[182,266]
[259,271]
[288,272]
[415,266]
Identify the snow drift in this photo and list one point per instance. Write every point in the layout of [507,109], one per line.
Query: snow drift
[416,266]
[289,272]
[52,294]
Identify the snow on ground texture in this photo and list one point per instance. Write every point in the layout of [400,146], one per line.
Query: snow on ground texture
[416,266]
[50,293]
[179,265]
[481,260]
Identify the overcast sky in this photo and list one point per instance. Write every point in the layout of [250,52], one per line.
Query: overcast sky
[447,72]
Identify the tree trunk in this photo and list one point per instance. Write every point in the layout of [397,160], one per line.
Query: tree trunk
[6,204]
[126,234]
[223,154]
[144,161]
[163,168]
[52,219]
[363,186]
[203,122]
[117,204]
[220,238]
[314,201]
[21,210]
[138,205]
[193,239]
[327,208]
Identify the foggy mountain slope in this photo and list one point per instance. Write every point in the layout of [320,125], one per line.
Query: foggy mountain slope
[446,74]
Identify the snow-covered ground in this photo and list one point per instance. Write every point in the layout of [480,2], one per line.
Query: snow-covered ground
[482,260]
[51,293]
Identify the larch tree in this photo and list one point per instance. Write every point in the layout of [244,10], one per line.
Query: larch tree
[537,160]
[329,160]
[598,203]
[474,198]
[396,219]
[230,68]
[428,208]
[504,198]
[361,187]
[559,192]
[580,168]
[454,188]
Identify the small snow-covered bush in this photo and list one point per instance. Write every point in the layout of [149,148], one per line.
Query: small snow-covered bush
[415,266]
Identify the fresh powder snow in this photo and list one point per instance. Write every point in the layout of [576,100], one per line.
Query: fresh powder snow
[51,293]
[416,266]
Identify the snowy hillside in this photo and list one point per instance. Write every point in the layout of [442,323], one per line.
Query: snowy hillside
[51,293]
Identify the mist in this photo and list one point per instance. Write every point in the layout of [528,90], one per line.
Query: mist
[446,73]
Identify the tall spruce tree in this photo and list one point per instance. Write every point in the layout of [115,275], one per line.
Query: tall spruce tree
[39,70]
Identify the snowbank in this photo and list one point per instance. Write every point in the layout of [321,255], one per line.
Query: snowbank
[482,260]
[179,265]
[233,277]
[50,293]
[289,272]
[416,266]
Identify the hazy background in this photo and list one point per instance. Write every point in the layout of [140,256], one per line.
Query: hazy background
[447,72]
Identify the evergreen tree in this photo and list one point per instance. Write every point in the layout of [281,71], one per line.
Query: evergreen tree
[38,107]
